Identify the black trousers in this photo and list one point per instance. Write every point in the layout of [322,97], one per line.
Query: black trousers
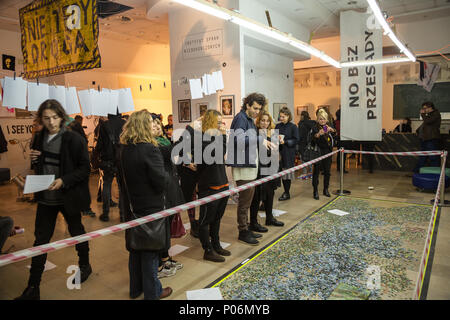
[209,220]
[264,193]
[43,232]
[325,165]
[188,179]
[6,225]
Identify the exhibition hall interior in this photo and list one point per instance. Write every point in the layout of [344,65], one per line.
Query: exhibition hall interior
[225,150]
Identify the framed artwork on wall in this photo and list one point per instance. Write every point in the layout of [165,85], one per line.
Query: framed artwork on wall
[300,109]
[227,106]
[184,111]
[276,110]
[202,107]
[322,79]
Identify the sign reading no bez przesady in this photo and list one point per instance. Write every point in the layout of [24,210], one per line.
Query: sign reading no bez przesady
[361,87]
[59,36]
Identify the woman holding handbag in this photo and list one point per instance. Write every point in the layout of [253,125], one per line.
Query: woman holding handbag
[323,136]
[212,180]
[145,182]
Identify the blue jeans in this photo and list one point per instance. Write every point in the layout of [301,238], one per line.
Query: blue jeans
[143,268]
[429,145]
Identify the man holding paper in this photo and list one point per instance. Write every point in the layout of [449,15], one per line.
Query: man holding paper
[64,154]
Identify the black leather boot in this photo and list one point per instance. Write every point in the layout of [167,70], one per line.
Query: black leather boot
[285,196]
[213,256]
[30,293]
[326,193]
[316,194]
[255,226]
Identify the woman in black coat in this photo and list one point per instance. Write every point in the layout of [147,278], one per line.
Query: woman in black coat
[323,135]
[174,196]
[288,141]
[212,179]
[266,191]
[145,182]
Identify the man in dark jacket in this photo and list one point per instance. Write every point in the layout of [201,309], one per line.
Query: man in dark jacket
[429,134]
[77,126]
[108,141]
[242,157]
[62,153]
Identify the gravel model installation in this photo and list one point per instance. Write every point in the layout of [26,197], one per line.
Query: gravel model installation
[372,253]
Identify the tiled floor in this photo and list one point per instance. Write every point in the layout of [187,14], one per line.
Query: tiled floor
[109,259]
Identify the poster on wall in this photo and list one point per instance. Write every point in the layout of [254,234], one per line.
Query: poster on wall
[227,106]
[18,134]
[184,111]
[361,87]
[59,36]
[202,108]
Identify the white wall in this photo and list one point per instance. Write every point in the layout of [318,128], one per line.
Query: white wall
[269,74]
[186,21]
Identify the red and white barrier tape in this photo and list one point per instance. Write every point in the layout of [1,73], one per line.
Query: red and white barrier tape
[411,153]
[426,250]
[57,245]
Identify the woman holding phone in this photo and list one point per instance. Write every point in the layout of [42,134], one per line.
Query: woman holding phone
[323,135]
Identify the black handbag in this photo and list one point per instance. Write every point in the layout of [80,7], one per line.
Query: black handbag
[151,236]
[311,151]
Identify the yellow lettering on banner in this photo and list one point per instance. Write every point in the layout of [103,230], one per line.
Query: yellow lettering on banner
[59,36]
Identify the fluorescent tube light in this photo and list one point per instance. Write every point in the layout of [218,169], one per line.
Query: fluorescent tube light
[239,19]
[205,7]
[374,62]
[261,29]
[379,15]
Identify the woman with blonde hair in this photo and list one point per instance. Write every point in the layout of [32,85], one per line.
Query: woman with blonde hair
[145,183]
[266,191]
[323,135]
[212,179]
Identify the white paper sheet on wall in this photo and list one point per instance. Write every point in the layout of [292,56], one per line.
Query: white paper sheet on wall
[58,93]
[15,93]
[125,100]
[196,88]
[72,104]
[114,102]
[85,102]
[218,79]
[204,85]
[211,84]
[36,95]
[99,105]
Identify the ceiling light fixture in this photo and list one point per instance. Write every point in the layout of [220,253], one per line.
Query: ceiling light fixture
[374,62]
[388,31]
[241,20]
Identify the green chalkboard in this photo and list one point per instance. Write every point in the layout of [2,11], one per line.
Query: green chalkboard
[408,99]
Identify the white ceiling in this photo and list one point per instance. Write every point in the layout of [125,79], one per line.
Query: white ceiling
[320,16]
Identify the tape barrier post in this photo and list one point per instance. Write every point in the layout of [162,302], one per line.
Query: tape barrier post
[341,182]
[442,197]
[60,244]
